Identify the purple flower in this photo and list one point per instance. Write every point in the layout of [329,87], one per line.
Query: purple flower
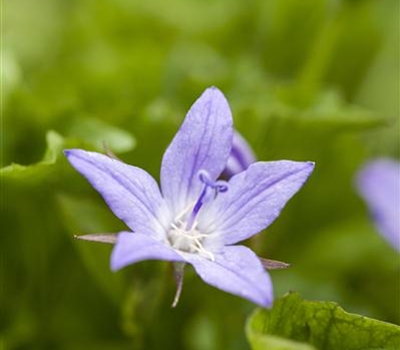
[379,183]
[240,158]
[196,218]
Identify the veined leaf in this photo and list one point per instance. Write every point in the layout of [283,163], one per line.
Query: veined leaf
[296,324]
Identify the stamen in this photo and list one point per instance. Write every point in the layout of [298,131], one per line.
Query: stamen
[204,252]
[184,233]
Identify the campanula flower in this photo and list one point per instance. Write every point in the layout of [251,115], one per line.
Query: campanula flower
[195,218]
[379,184]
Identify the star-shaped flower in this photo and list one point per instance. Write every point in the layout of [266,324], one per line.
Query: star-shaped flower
[379,183]
[196,218]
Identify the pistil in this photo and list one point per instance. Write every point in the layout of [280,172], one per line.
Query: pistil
[215,186]
[184,234]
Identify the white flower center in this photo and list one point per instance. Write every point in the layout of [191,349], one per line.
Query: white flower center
[183,233]
[186,239]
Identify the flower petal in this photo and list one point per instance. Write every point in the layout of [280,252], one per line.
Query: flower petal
[132,247]
[203,142]
[379,183]
[236,270]
[241,156]
[130,192]
[255,198]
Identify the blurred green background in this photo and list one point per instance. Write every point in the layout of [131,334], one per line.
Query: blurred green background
[307,80]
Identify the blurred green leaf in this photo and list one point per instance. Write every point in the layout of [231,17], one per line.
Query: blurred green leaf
[351,263]
[100,134]
[10,75]
[87,132]
[293,322]
[87,216]
[38,171]
[326,113]
[98,345]
[40,20]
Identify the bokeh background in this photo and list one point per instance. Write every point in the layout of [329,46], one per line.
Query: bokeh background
[307,80]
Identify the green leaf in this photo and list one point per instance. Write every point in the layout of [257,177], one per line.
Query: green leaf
[99,135]
[326,112]
[85,133]
[55,144]
[85,215]
[296,324]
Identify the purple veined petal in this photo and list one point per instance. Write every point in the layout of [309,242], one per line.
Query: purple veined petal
[379,183]
[255,198]
[236,270]
[241,156]
[203,142]
[132,247]
[130,192]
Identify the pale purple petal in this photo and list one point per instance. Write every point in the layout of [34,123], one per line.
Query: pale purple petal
[241,156]
[236,270]
[203,142]
[132,247]
[379,184]
[255,198]
[130,192]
